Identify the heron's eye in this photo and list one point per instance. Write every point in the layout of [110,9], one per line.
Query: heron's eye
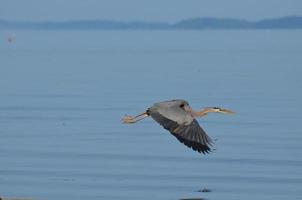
[182,105]
[217,108]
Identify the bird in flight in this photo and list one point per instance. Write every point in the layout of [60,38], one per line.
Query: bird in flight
[180,120]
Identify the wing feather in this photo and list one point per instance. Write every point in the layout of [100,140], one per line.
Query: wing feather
[192,135]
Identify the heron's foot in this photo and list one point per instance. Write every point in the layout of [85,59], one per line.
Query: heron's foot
[128,120]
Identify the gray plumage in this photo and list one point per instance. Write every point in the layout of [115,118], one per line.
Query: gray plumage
[175,117]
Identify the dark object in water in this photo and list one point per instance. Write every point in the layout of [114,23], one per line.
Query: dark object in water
[11,39]
[204,190]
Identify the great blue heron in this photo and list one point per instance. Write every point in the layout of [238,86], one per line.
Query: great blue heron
[178,117]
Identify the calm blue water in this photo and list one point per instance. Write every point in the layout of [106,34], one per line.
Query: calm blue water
[62,95]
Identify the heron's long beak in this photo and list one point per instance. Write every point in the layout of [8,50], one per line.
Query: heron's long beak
[225,111]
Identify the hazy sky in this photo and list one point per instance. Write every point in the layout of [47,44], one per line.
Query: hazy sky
[150,10]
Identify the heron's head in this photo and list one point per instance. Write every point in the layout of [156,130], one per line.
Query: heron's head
[219,110]
[184,105]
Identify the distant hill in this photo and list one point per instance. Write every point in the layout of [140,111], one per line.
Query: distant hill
[290,22]
[281,23]
[212,23]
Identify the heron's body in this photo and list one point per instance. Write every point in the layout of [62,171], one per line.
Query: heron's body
[179,119]
[172,110]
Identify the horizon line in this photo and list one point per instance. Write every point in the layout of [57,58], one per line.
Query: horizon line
[150,21]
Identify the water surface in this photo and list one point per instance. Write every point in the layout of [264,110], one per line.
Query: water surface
[62,95]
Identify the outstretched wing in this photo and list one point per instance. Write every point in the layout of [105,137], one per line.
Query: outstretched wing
[192,135]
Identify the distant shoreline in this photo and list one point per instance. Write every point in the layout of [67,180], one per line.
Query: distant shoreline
[209,23]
